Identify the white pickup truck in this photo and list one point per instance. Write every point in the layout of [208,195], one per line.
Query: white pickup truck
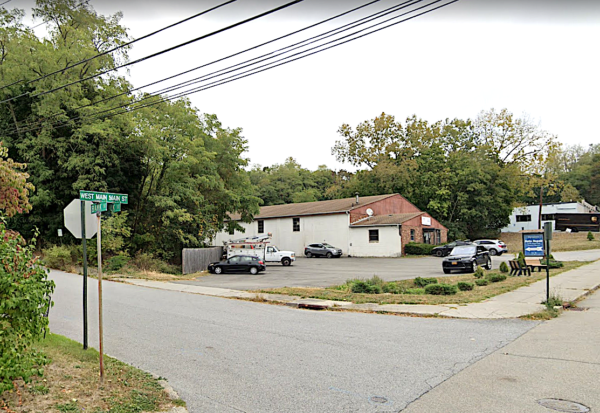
[269,253]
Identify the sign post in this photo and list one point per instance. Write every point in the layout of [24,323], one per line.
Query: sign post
[100,204]
[548,236]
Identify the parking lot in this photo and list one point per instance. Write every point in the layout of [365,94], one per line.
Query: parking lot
[324,272]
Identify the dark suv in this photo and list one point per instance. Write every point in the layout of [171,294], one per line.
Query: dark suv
[322,250]
[444,250]
[467,258]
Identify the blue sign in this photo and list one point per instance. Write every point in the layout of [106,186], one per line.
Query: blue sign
[533,245]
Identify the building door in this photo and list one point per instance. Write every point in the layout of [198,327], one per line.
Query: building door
[427,237]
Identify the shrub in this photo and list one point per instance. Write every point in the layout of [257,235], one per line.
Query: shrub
[363,287]
[465,286]
[416,291]
[412,248]
[116,263]
[521,259]
[24,299]
[392,288]
[494,278]
[504,267]
[590,236]
[423,282]
[479,273]
[58,257]
[441,289]
[482,282]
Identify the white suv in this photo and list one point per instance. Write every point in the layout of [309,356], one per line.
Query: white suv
[494,246]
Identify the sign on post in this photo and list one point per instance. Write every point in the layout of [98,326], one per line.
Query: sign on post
[72,217]
[103,197]
[533,244]
[99,207]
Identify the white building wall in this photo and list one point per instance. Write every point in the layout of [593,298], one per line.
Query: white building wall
[389,244]
[333,229]
[534,210]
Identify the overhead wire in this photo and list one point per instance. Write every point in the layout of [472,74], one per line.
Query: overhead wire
[239,53]
[124,44]
[170,49]
[251,72]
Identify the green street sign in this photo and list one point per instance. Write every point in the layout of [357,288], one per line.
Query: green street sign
[103,197]
[101,207]
[114,207]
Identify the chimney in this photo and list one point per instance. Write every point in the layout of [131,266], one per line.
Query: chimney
[357,198]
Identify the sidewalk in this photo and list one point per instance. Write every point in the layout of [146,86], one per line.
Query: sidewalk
[569,285]
[551,367]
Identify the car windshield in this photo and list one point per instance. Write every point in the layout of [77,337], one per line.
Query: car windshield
[328,246]
[464,250]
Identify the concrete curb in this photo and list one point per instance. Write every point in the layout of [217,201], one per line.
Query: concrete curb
[572,285]
[171,394]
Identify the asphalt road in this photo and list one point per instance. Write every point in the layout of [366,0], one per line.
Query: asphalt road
[235,356]
[324,272]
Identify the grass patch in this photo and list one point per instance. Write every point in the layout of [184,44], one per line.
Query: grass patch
[561,241]
[406,292]
[71,383]
[547,314]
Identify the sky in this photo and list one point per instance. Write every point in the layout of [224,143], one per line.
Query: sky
[537,58]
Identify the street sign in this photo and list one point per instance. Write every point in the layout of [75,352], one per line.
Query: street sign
[99,207]
[103,197]
[533,245]
[115,207]
[72,216]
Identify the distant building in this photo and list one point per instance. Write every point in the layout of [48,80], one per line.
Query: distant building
[526,217]
[371,226]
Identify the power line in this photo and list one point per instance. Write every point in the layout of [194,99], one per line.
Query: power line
[7,1]
[125,44]
[258,16]
[246,74]
[239,53]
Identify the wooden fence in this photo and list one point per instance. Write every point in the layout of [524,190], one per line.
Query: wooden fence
[197,259]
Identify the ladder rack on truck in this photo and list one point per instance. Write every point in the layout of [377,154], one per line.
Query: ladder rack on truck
[257,246]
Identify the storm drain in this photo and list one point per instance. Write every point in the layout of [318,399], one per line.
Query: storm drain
[563,405]
[577,309]
[378,399]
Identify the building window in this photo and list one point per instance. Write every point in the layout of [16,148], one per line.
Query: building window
[261,226]
[296,225]
[523,218]
[373,235]
[547,217]
[412,235]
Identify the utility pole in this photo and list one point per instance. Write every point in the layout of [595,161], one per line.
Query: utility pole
[540,214]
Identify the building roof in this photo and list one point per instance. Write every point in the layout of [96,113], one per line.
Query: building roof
[314,208]
[393,219]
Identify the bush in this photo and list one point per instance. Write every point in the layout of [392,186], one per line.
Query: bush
[478,273]
[416,291]
[423,282]
[590,236]
[441,289]
[482,282]
[392,288]
[117,262]
[24,299]
[58,257]
[412,248]
[363,287]
[504,267]
[495,278]
[521,259]
[465,286]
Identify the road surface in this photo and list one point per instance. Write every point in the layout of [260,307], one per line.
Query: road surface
[236,356]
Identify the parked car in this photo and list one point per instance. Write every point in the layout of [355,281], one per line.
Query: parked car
[322,250]
[467,258]
[444,250]
[238,263]
[494,246]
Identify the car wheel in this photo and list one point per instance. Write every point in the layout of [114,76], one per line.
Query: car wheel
[329,255]
[493,251]
[253,270]
[446,271]
[218,270]
[488,264]
[309,254]
[286,261]
[439,253]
